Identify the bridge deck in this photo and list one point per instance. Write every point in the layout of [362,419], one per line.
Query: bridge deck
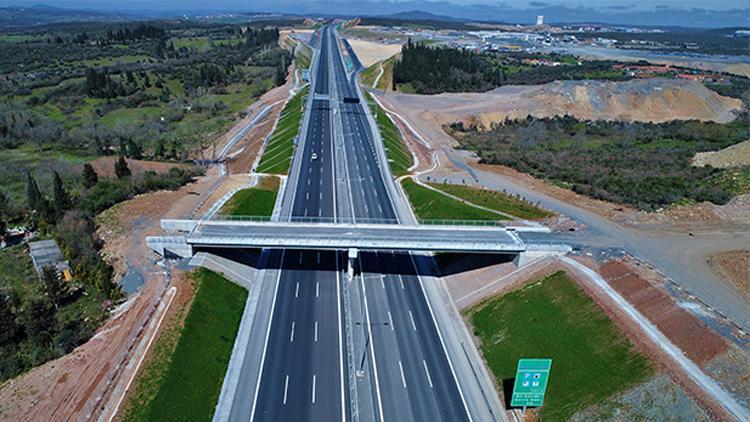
[252,234]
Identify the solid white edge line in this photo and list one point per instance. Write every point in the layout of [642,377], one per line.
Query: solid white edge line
[265,346]
[341,340]
[442,342]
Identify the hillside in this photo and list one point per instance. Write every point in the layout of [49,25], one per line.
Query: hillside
[653,100]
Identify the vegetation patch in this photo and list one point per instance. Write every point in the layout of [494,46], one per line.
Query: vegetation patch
[255,201]
[277,155]
[646,165]
[185,384]
[431,205]
[553,318]
[495,200]
[399,157]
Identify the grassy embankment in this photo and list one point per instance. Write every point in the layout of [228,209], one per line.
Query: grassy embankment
[369,75]
[181,379]
[495,200]
[277,155]
[554,319]
[255,201]
[399,157]
[430,205]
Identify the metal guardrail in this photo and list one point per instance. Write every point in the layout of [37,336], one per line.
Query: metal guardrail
[346,220]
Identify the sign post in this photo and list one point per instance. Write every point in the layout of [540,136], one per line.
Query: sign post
[531,383]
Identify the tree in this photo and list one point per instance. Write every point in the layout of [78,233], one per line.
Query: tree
[37,201]
[3,212]
[121,168]
[90,177]
[53,286]
[8,324]
[59,195]
[40,322]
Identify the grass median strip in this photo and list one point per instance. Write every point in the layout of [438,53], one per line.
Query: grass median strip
[258,200]
[431,205]
[553,318]
[498,201]
[399,157]
[277,155]
[182,377]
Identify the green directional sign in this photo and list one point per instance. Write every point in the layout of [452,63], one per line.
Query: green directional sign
[531,382]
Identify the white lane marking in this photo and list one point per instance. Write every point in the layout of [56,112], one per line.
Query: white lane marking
[316,331]
[380,208]
[382,283]
[320,196]
[307,196]
[268,332]
[313,390]
[372,344]
[320,212]
[390,320]
[308,182]
[286,387]
[317,289]
[401,280]
[401,368]
[296,291]
[291,335]
[427,372]
[413,325]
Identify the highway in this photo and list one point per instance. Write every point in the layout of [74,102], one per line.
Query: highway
[303,372]
[415,380]
[300,345]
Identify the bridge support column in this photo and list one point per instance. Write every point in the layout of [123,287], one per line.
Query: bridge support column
[351,261]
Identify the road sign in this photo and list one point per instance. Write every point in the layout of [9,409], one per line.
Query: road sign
[531,382]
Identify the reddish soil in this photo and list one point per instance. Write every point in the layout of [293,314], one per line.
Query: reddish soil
[680,326]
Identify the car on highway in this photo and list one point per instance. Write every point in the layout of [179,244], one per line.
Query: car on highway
[314,156]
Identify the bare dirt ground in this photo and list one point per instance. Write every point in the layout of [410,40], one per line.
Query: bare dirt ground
[675,322]
[647,100]
[737,155]
[735,267]
[75,386]
[174,319]
[371,52]
[105,166]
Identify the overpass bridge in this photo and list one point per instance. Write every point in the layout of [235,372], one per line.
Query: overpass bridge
[352,236]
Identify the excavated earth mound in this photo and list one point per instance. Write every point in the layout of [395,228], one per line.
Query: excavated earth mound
[646,100]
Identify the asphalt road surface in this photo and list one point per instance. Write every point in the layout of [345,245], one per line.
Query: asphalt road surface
[303,375]
[303,372]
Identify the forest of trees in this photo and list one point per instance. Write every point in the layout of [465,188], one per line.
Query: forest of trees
[433,70]
[645,165]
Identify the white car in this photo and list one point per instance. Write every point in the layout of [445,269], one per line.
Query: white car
[314,156]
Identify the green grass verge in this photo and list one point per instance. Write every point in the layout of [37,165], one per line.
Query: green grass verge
[367,76]
[553,318]
[258,200]
[430,205]
[386,80]
[399,157]
[277,156]
[495,200]
[187,383]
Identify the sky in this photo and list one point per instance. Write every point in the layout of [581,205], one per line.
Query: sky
[614,5]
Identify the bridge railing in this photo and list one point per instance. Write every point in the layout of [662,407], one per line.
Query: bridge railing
[348,220]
